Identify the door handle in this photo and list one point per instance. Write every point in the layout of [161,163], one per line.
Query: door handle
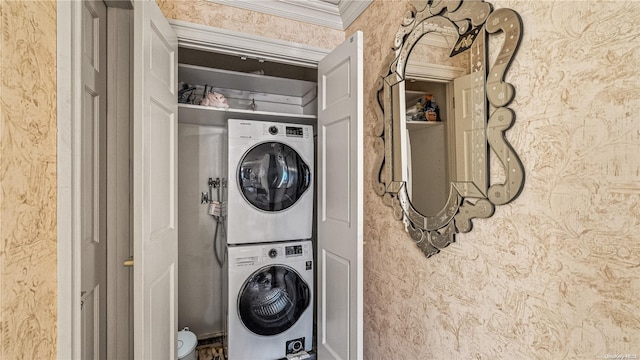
[128,262]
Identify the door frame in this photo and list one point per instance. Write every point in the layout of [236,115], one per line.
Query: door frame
[69,115]
[69,53]
[119,121]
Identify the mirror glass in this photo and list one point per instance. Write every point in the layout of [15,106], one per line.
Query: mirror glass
[432,125]
[443,112]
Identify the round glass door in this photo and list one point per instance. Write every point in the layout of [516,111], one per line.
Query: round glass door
[272,299]
[272,176]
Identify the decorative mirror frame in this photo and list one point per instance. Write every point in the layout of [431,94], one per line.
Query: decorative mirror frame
[473,20]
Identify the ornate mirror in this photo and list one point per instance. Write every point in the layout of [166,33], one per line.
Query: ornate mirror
[442,117]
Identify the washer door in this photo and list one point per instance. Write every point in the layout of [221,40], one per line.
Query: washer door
[272,299]
[272,176]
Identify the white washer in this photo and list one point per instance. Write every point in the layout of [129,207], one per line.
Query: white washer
[270,300]
[270,191]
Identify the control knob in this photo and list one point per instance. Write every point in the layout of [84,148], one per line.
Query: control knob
[273,253]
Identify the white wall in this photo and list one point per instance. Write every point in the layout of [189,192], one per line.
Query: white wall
[201,155]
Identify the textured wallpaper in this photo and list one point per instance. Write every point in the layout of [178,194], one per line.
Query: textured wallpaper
[28,180]
[555,274]
[251,22]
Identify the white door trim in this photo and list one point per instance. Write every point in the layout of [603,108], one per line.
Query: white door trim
[119,105]
[69,115]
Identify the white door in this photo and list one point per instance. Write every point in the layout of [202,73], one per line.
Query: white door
[469,134]
[340,214]
[155,236]
[463,128]
[93,312]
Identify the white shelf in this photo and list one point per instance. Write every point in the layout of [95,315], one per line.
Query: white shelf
[204,115]
[256,83]
[412,124]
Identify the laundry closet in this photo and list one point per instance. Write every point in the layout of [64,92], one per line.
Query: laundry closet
[277,104]
[196,129]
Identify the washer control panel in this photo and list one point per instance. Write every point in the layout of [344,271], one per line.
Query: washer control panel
[294,250]
[280,251]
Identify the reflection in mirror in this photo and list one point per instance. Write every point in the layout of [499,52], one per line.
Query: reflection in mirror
[430,118]
[427,126]
[433,156]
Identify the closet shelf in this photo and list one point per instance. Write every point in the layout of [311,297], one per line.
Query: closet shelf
[257,83]
[413,124]
[204,115]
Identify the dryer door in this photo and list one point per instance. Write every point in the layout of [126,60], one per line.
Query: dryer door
[272,299]
[272,176]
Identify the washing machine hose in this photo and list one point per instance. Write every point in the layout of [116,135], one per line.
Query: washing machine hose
[220,258]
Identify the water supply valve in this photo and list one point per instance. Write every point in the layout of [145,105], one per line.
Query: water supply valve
[218,209]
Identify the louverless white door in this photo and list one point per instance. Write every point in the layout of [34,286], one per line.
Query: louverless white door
[93,178]
[340,214]
[155,235]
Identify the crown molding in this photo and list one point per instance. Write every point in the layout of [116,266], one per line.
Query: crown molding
[324,13]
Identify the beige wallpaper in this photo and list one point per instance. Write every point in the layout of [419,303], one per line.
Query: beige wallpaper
[28,180]
[208,13]
[556,274]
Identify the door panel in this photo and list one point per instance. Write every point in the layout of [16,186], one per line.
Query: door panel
[155,246]
[336,271]
[470,135]
[463,127]
[336,136]
[93,311]
[340,144]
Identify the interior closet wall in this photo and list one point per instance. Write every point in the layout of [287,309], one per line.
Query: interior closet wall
[202,154]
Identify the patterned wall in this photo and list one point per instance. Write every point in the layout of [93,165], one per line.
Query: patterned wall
[556,274]
[28,281]
[553,275]
[251,22]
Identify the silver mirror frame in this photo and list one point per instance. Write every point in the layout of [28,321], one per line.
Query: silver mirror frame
[474,20]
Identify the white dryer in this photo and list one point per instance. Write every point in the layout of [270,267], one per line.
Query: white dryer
[270,190]
[270,300]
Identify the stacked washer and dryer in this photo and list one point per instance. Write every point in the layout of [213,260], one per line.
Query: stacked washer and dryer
[269,225]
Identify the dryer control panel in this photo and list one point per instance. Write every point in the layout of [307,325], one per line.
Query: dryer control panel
[295,131]
[288,131]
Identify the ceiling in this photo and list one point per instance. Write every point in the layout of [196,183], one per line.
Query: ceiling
[335,14]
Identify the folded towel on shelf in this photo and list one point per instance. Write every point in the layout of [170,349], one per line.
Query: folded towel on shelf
[214,99]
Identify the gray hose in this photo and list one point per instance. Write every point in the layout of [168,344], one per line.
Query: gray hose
[220,258]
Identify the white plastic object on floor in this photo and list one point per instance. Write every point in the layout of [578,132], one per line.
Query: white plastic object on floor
[187,342]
